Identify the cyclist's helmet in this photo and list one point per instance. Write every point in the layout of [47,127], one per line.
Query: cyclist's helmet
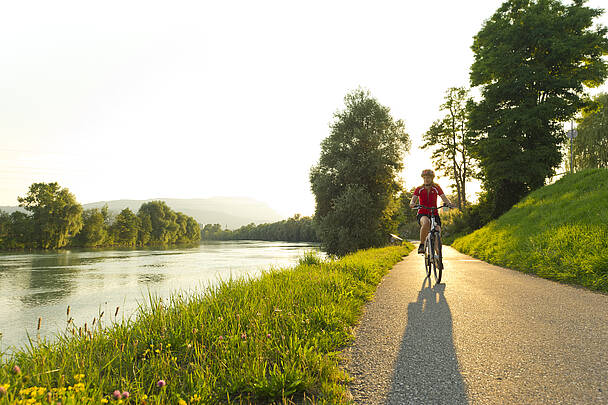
[427,172]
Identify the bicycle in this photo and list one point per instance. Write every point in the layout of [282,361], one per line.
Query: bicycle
[433,259]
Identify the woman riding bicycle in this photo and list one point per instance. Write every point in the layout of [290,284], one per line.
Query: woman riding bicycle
[427,195]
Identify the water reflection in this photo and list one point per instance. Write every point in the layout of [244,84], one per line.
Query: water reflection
[90,281]
[51,278]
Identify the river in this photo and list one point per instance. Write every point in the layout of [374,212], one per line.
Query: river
[43,284]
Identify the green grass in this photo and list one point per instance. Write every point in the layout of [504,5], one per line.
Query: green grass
[273,339]
[559,232]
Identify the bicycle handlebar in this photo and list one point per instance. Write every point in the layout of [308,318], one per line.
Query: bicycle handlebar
[418,206]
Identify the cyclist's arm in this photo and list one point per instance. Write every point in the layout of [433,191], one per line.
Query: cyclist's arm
[414,201]
[446,201]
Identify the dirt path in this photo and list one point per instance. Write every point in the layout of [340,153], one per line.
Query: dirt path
[485,335]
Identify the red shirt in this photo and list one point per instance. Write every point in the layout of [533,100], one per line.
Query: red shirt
[428,198]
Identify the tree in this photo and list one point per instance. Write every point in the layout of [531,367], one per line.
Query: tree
[94,231]
[5,230]
[21,231]
[355,182]
[450,138]
[125,228]
[532,59]
[162,220]
[591,144]
[55,213]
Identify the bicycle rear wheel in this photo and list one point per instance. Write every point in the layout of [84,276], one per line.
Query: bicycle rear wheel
[438,266]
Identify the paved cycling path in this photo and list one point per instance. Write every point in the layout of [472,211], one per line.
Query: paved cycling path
[486,335]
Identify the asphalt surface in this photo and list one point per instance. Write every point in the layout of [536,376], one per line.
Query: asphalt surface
[485,335]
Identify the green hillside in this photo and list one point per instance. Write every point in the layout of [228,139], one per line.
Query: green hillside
[558,232]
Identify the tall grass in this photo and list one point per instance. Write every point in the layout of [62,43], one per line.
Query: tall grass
[274,338]
[558,232]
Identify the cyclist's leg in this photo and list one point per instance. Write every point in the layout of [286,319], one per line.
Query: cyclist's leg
[425,226]
[437,238]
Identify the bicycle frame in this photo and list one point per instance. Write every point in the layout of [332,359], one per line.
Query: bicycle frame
[432,254]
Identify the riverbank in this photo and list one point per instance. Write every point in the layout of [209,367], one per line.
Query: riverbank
[558,232]
[276,337]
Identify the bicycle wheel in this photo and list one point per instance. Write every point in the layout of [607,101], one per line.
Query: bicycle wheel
[427,256]
[438,268]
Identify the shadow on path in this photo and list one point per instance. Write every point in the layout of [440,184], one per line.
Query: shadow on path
[426,369]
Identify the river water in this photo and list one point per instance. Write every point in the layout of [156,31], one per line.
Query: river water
[42,285]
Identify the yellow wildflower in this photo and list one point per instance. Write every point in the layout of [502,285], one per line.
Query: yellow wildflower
[104,401]
[182,402]
[78,377]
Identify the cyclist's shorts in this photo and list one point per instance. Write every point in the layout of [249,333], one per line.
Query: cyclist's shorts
[437,219]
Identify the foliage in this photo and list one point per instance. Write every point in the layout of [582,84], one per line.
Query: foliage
[532,59]
[273,338]
[125,228]
[355,182]
[591,144]
[294,229]
[56,216]
[458,223]
[407,227]
[450,139]
[558,232]
[93,232]
[163,221]
[56,220]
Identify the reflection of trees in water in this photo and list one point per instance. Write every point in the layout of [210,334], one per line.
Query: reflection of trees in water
[51,278]
[426,370]
[150,278]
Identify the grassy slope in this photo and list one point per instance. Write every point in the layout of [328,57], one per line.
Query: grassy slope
[272,338]
[558,232]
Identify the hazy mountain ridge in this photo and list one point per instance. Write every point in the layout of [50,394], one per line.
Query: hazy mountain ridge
[231,212]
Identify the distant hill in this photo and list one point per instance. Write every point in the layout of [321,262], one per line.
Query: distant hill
[231,212]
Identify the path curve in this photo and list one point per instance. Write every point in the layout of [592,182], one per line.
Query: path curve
[486,335]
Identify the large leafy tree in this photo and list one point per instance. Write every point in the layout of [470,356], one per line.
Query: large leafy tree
[591,144]
[449,137]
[163,221]
[532,61]
[55,213]
[125,228]
[93,232]
[356,181]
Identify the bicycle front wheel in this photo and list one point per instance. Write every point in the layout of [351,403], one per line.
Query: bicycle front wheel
[428,257]
[438,266]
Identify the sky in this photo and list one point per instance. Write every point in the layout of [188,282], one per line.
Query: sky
[196,99]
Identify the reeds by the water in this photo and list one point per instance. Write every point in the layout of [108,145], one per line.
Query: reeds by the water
[275,338]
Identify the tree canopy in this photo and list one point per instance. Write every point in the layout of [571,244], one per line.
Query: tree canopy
[356,180]
[294,229]
[56,216]
[449,137]
[56,220]
[532,61]
[591,144]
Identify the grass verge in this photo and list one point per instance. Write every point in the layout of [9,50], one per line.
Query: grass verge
[272,339]
[559,232]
